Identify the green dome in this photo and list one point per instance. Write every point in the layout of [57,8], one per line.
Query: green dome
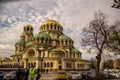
[64,37]
[42,35]
[29,44]
[21,42]
[75,50]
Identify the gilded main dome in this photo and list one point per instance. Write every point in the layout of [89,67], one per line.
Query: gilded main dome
[51,21]
[51,25]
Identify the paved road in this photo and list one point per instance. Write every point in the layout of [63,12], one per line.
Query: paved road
[50,76]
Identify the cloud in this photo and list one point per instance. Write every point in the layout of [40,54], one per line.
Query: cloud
[73,15]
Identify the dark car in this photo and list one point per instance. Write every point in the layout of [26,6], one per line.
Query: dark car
[106,75]
[2,75]
[10,76]
[88,75]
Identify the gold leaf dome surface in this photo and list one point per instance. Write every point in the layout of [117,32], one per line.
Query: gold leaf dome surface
[51,21]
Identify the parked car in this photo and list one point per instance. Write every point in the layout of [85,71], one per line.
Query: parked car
[106,75]
[74,75]
[61,75]
[114,74]
[88,75]
[2,75]
[10,76]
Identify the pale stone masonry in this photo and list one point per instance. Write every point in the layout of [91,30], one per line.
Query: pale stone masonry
[50,49]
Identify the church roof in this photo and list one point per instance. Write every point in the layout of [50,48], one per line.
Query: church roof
[21,42]
[42,35]
[29,44]
[75,50]
[56,50]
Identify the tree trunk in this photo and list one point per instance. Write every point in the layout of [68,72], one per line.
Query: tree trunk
[98,57]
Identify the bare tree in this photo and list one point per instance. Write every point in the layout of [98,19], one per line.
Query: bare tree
[114,38]
[95,36]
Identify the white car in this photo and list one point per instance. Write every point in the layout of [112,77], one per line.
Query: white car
[115,74]
[74,75]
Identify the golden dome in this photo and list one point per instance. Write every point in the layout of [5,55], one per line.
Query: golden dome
[51,21]
[28,25]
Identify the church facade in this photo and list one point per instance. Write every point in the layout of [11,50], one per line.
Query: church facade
[50,49]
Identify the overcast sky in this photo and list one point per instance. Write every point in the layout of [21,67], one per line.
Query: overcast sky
[73,15]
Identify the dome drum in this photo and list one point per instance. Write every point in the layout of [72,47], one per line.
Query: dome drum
[51,25]
[65,40]
[41,38]
[28,28]
[41,41]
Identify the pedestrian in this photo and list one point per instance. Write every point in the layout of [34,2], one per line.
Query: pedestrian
[32,73]
[25,74]
[18,74]
[38,73]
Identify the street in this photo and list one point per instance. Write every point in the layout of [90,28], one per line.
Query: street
[49,76]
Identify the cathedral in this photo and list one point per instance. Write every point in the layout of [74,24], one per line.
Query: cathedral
[50,49]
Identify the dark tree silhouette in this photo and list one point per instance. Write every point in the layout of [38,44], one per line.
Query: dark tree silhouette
[95,36]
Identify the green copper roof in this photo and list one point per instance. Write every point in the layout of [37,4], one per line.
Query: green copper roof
[64,37]
[29,44]
[56,50]
[21,42]
[75,50]
[42,35]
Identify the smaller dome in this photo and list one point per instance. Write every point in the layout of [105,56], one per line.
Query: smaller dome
[21,42]
[28,25]
[64,37]
[28,44]
[75,50]
[42,35]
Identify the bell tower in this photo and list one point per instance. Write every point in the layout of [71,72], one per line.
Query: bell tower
[28,32]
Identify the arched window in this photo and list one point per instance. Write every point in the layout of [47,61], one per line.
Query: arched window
[29,64]
[66,42]
[47,26]
[34,64]
[41,40]
[31,52]
[43,27]
[37,40]
[74,55]
[28,29]
[51,64]
[58,27]
[55,26]
[51,26]
[47,64]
